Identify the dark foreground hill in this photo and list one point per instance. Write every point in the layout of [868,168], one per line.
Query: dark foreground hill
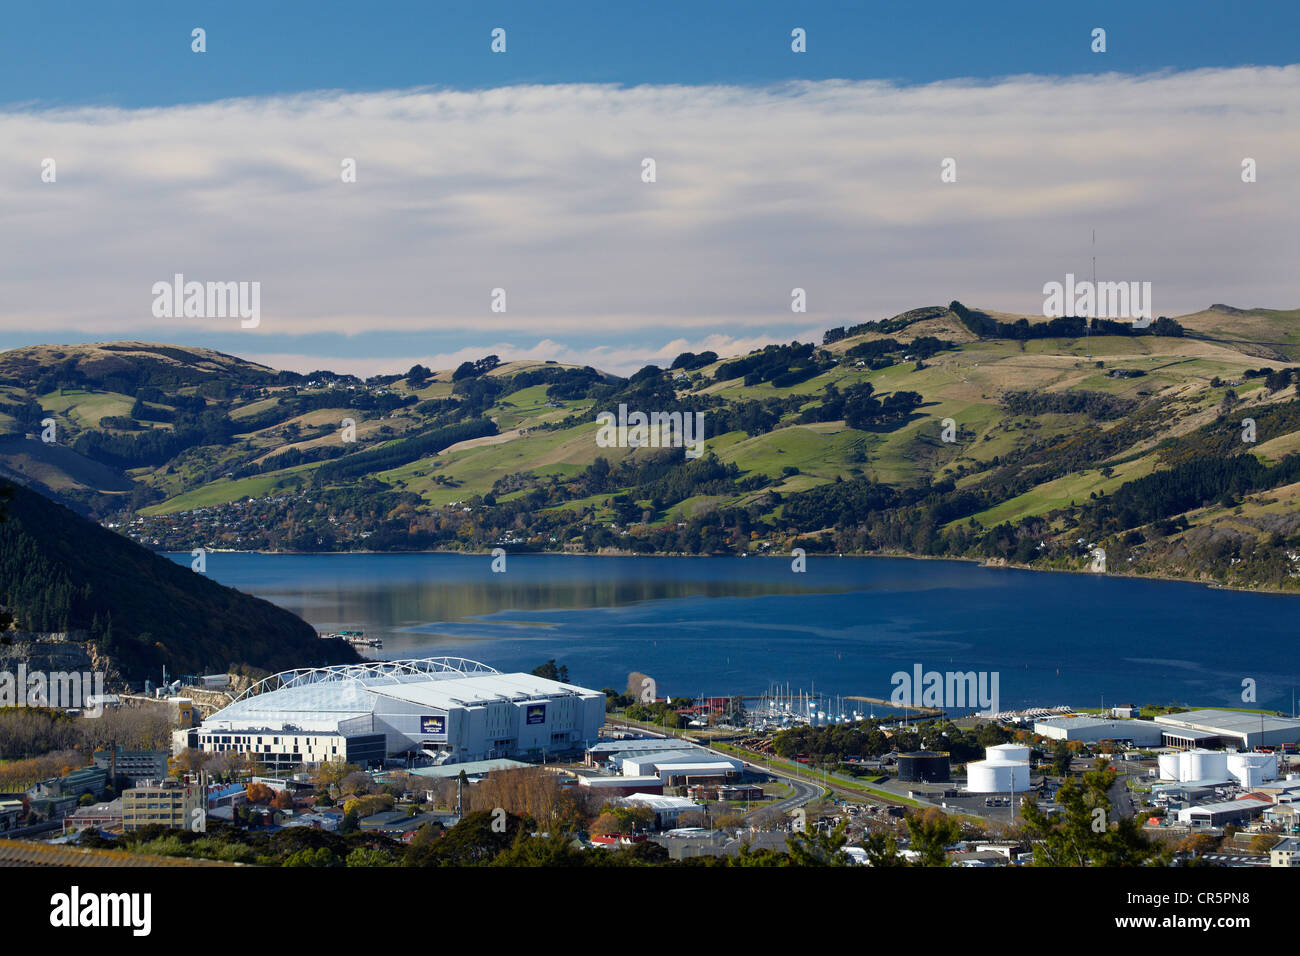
[60,572]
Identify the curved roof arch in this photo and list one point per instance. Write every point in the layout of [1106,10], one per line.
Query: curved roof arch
[320,697]
[370,672]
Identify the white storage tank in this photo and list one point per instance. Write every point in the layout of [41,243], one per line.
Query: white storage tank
[1207,765]
[1252,769]
[1016,753]
[1170,766]
[997,776]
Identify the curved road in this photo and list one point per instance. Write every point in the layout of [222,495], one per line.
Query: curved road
[804,792]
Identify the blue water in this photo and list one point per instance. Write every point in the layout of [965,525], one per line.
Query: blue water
[730,625]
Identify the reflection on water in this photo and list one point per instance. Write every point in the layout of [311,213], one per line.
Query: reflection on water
[725,625]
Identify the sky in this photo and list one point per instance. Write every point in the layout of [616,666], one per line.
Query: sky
[523,170]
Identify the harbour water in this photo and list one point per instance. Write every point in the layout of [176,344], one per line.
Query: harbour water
[721,626]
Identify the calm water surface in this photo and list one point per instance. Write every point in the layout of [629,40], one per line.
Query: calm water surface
[732,625]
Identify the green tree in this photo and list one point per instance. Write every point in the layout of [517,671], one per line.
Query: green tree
[881,850]
[1061,756]
[1083,833]
[819,847]
[931,833]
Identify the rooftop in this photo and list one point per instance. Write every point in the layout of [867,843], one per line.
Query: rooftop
[466,691]
[472,768]
[1229,720]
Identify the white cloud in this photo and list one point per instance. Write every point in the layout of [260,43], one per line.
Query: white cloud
[622,360]
[832,186]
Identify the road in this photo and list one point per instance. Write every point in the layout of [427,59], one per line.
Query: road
[804,791]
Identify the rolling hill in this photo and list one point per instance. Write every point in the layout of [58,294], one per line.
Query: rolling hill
[941,431]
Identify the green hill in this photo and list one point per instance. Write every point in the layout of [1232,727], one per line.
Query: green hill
[944,430]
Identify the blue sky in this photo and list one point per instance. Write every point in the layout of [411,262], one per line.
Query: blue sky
[776,170]
[137,53]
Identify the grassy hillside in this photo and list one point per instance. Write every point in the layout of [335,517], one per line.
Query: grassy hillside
[944,430]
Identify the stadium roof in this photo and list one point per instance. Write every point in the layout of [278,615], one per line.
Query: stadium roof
[318,698]
[468,690]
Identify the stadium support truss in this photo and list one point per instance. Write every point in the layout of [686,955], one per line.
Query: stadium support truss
[336,692]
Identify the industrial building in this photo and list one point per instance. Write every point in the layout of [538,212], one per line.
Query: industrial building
[1092,730]
[602,753]
[1223,813]
[1227,728]
[667,810]
[447,709]
[134,765]
[683,767]
[622,786]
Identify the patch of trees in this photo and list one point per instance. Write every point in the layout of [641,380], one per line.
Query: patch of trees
[923,347]
[27,415]
[564,384]
[1098,406]
[402,452]
[1189,485]
[884,326]
[858,406]
[782,365]
[472,369]
[690,361]
[1064,327]
[155,446]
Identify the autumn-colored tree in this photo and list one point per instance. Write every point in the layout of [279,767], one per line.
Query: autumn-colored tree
[258,793]
[331,773]
[283,800]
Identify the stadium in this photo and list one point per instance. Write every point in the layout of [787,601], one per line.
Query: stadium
[423,710]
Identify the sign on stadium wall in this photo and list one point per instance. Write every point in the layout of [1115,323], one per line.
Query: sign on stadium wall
[436,726]
[535,714]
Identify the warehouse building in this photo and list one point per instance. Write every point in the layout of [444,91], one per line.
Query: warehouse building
[1092,730]
[614,787]
[1224,813]
[1227,728]
[684,767]
[444,709]
[667,810]
[605,751]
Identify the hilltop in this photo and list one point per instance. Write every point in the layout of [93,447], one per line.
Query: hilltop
[944,430]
